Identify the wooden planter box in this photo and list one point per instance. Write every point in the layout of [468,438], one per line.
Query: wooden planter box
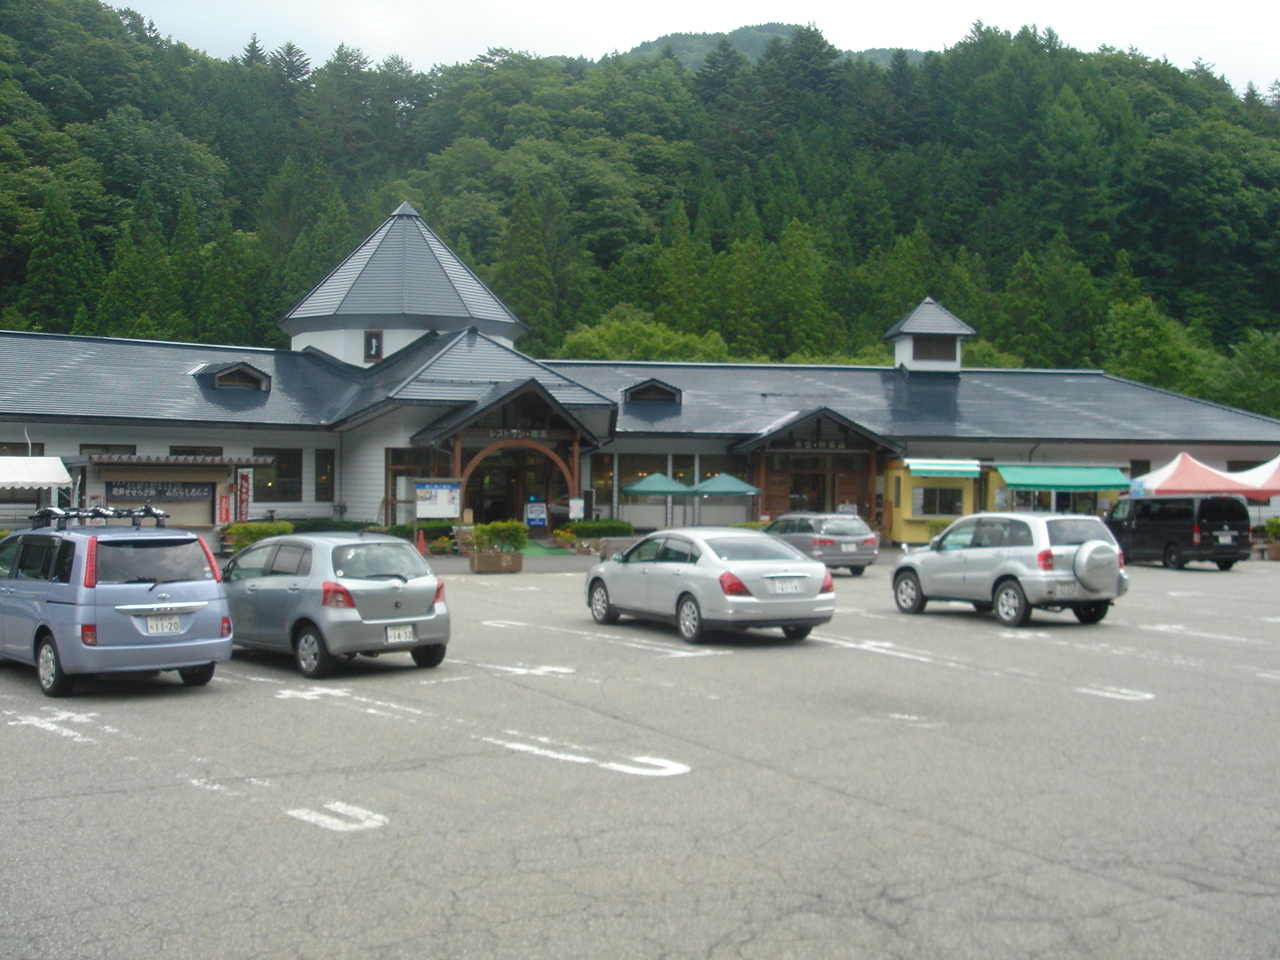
[494,561]
[1273,551]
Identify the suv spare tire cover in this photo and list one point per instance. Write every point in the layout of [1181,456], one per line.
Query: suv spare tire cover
[1097,565]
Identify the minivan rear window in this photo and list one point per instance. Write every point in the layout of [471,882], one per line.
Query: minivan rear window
[1070,531]
[152,561]
[1223,510]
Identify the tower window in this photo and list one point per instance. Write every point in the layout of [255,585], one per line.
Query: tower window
[372,345]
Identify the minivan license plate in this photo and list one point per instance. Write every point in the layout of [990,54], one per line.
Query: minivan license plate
[787,586]
[401,633]
[159,624]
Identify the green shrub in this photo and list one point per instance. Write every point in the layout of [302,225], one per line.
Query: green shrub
[4,533]
[240,535]
[507,536]
[594,529]
[327,525]
[1271,529]
[753,524]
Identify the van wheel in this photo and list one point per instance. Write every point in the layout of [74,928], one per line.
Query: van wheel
[197,676]
[1225,565]
[314,659]
[53,682]
[1173,557]
[1011,604]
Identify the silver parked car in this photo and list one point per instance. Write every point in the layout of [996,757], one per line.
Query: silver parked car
[320,596]
[837,539]
[705,578]
[1014,562]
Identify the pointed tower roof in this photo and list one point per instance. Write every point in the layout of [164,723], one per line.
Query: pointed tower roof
[402,277]
[930,317]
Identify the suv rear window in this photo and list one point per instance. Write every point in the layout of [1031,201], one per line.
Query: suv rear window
[1071,531]
[1223,510]
[152,561]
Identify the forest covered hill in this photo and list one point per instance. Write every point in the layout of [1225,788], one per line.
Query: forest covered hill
[1077,209]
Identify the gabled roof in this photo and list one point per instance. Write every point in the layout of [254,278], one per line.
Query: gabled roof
[497,395]
[402,277]
[930,317]
[800,419]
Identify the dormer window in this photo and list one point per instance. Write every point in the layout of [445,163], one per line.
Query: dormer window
[234,376]
[372,346]
[927,346]
[651,391]
[928,339]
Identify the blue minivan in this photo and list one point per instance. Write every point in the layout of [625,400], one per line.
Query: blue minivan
[85,599]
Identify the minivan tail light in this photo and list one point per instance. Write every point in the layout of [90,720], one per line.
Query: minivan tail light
[89,633]
[91,563]
[226,626]
[336,595]
[732,586]
[1195,534]
[439,592]
[213,564]
[1045,559]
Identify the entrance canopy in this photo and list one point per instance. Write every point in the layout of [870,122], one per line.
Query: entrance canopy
[1185,474]
[1027,476]
[33,473]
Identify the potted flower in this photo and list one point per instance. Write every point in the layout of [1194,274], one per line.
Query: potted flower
[496,547]
[564,537]
[440,546]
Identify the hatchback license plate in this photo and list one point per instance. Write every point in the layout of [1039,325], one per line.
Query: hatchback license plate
[787,586]
[401,633]
[158,624]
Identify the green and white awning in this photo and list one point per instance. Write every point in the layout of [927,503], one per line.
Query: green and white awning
[1026,476]
[943,468]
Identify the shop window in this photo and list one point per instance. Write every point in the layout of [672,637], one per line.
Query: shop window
[324,475]
[22,449]
[176,451]
[282,481]
[940,501]
[109,449]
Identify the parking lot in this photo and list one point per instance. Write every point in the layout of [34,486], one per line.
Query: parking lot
[932,786]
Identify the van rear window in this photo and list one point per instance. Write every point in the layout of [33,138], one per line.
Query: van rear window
[1223,510]
[152,561]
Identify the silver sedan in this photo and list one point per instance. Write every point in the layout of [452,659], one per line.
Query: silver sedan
[707,578]
[320,596]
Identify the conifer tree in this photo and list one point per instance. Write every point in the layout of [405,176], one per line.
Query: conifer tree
[59,273]
[522,276]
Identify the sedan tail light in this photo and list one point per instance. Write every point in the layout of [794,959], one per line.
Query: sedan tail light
[828,583]
[870,541]
[336,595]
[1045,559]
[1120,554]
[732,586]
[439,592]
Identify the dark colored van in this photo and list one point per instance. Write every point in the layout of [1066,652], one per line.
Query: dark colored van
[1177,529]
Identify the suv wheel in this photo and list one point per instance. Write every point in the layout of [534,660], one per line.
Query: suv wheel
[53,682]
[1011,604]
[1091,612]
[907,593]
[1173,557]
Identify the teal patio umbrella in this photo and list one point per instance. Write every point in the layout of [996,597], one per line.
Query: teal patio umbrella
[725,485]
[658,485]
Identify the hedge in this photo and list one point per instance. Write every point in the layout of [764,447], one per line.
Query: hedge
[594,529]
[240,535]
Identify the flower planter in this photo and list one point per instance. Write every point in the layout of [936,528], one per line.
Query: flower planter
[495,561]
[1273,551]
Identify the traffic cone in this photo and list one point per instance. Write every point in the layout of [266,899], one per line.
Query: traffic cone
[422,543]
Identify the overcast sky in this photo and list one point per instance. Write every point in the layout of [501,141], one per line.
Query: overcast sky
[1237,38]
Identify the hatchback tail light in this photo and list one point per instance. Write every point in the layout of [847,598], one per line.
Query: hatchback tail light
[828,583]
[336,595]
[1195,534]
[91,563]
[226,626]
[732,586]
[89,633]
[439,592]
[1045,559]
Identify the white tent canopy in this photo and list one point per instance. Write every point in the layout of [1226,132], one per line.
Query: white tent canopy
[33,473]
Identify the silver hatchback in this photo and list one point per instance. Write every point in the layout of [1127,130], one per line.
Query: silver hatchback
[320,596]
[837,539]
[1013,563]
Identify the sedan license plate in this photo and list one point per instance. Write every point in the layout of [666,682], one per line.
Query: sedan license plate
[163,624]
[791,585]
[400,633]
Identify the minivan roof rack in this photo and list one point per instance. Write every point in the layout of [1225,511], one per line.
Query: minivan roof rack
[62,516]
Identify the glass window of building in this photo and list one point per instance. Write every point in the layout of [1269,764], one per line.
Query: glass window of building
[282,481]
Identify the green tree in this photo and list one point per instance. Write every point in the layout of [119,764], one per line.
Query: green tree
[60,273]
[522,275]
[626,333]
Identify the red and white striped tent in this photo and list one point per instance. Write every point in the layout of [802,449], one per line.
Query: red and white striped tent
[1185,474]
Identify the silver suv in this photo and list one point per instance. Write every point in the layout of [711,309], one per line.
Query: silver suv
[1015,562]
